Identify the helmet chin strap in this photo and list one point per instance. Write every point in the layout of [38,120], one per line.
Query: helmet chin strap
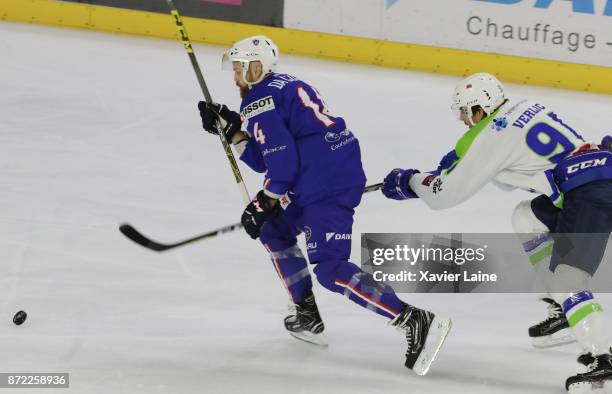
[469,118]
[245,70]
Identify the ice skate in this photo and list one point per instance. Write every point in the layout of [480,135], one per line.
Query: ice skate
[305,323]
[585,359]
[425,333]
[554,331]
[597,379]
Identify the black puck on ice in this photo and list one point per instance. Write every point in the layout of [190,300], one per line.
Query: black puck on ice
[20,317]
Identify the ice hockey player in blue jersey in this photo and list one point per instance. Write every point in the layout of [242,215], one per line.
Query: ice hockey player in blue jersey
[313,181]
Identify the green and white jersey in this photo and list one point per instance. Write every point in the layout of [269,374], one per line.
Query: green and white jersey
[515,147]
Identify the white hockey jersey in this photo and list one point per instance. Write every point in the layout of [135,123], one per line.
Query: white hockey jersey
[517,146]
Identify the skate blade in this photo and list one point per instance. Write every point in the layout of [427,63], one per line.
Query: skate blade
[588,388]
[560,338]
[438,332]
[307,336]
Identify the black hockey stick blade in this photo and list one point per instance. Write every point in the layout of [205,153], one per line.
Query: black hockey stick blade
[140,239]
[133,234]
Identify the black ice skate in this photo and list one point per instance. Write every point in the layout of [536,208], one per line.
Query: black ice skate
[425,333]
[554,331]
[586,359]
[597,379]
[305,322]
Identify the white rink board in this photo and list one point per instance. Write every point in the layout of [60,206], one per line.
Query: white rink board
[358,18]
[578,31]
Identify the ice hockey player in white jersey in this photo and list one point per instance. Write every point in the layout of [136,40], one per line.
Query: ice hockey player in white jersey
[525,144]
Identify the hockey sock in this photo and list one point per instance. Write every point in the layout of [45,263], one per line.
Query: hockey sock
[586,320]
[346,278]
[292,269]
[539,247]
[582,312]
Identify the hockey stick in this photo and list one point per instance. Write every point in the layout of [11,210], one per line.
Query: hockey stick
[136,236]
[196,68]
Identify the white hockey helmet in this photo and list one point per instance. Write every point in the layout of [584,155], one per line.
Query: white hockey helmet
[479,89]
[256,48]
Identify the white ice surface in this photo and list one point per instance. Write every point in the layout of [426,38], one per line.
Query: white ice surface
[99,129]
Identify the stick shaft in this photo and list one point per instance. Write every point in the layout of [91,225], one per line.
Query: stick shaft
[133,234]
[198,72]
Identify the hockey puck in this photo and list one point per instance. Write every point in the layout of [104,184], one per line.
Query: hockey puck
[20,317]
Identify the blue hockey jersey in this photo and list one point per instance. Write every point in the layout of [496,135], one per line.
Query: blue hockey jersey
[306,152]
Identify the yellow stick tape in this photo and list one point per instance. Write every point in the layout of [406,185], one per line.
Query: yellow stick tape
[330,46]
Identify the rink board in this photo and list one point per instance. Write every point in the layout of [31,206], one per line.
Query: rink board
[323,45]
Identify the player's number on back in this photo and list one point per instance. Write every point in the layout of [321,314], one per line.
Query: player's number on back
[320,113]
[544,140]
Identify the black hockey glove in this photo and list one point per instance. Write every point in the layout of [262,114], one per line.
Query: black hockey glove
[217,117]
[606,143]
[258,212]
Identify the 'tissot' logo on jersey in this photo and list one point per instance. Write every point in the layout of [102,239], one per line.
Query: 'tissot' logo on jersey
[260,106]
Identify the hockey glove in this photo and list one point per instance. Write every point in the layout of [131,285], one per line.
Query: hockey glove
[606,143]
[218,118]
[258,212]
[395,185]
